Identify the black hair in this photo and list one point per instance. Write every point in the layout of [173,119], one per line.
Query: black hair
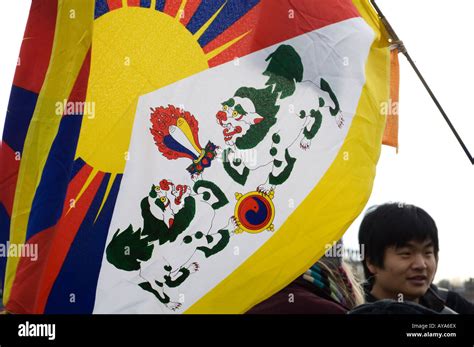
[394,225]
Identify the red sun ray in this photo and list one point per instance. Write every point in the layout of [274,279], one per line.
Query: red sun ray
[134,3]
[75,186]
[172,7]
[114,4]
[8,176]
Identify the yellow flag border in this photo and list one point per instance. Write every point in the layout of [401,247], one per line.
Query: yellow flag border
[72,40]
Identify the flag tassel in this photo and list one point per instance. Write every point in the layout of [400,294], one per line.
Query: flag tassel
[402,49]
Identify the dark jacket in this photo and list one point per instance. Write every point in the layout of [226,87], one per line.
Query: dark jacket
[450,299]
[299,297]
[388,306]
[438,300]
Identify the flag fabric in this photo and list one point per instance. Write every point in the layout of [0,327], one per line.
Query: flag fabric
[31,69]
[391,109]
[187,156]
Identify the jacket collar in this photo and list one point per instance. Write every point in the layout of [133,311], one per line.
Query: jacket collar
[429,300]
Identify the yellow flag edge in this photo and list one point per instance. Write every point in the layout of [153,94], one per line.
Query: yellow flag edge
[71,43]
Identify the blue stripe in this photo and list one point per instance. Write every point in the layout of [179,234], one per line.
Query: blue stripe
[101,8]
[20,111]
[160,5]
[4,237]
[205,11]
[49,198]
[231,13]
[171,143]
[145,3]
[80,271]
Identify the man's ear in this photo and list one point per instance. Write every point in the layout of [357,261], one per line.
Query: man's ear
[372,268]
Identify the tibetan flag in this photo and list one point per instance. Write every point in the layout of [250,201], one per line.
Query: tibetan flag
[188,156]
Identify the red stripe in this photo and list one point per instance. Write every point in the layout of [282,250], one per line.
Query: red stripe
[8,176]
[75,186]
[189,10]
[276,21]
[135,3]
[28,274]
[172,7]
[114,4]
[37,46]
[79,90]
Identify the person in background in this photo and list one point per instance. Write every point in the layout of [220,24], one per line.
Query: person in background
[401,257]
[328,287]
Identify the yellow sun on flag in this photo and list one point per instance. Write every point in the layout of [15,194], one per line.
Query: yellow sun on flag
[135,50]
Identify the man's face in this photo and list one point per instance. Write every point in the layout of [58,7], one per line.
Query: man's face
[408,270]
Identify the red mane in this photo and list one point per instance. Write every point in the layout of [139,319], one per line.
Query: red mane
[161,119]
